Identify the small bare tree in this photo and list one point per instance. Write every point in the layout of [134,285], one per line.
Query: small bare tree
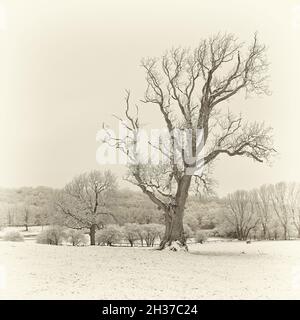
[280,199]
[241,214]
[263,205]
[26,217]
[83,201]
[294,195]
[189,88]
[296,219]
[11,214]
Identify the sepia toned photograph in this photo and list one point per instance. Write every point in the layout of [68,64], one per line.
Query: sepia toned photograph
[149,151]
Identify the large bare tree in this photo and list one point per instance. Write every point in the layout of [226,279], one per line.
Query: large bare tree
[83,202]
[190,88]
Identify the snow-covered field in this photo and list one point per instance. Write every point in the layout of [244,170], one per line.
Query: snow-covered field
[216,270]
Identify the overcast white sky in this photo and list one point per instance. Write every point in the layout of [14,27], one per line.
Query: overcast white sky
[64,65]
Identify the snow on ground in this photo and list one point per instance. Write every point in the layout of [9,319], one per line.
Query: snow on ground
[215,270]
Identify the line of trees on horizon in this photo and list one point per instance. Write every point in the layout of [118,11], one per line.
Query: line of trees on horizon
[92,201]
[269,212]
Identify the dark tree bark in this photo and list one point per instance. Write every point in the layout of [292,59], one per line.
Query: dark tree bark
[26,218]
[174,229]
[285,233]
[93,234]
[174,216]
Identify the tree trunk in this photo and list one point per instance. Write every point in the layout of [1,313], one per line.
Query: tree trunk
[284,232]
[26,227]
[174,230]
[174,217]
[246,235]
[93,234]
[264,229]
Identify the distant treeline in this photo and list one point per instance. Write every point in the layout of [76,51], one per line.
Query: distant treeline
[269,212]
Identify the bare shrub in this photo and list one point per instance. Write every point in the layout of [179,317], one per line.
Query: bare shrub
[131,233]
[150,232]
[76,237]
[201,236]
[13,236]
[53,235]
[109,235]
